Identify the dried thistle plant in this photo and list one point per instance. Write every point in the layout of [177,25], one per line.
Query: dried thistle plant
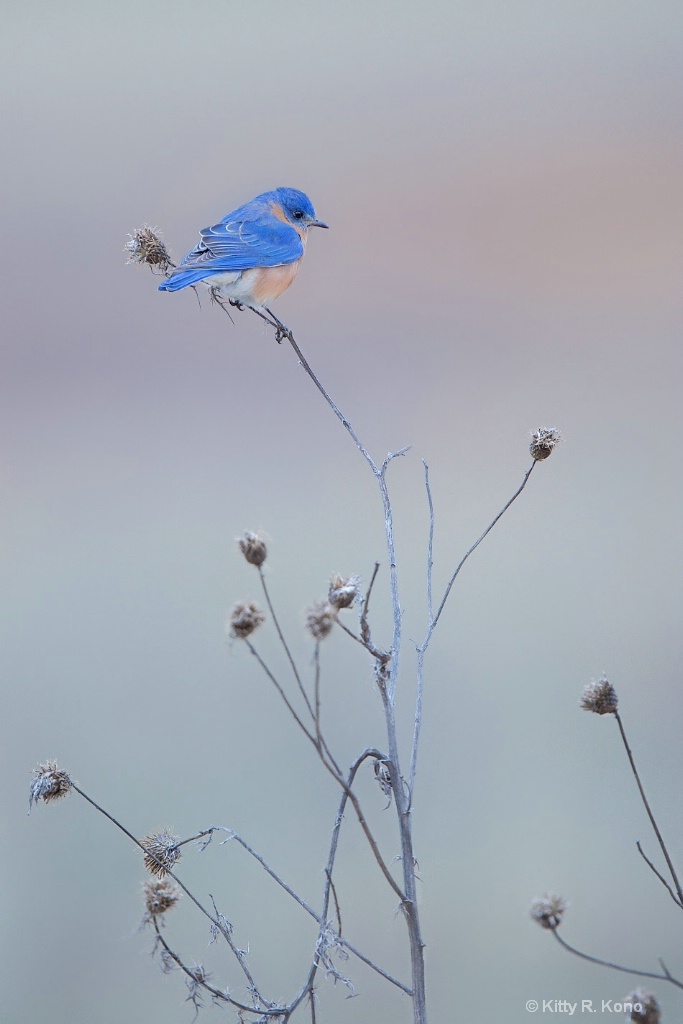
[643,1007]
[161,852]
[600,697]
[145,246]
[244,619]
[253,547]
[49,783]
[343,591]
[320,619]
[547,910]
[543,442]
[160,895]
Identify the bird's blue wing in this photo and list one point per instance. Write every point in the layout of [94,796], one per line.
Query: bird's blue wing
[241,244]
[234,245]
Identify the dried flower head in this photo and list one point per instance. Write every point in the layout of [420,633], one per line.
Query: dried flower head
[643,1007]
[253,547]
[320,618]
[49,783]
[548,910]
[383,776]
[244,619]
[543,441]
[161,852]
[145,246]
[160,896]
[343,591]
[600,697]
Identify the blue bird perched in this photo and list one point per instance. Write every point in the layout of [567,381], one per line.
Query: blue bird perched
[251,256]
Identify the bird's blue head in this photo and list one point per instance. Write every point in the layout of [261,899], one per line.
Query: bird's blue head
[298,208]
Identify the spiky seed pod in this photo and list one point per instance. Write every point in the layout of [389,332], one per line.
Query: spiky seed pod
[600,698]
[383,776]
[320,618]
[547,910]
[49,783]
[244,619]
[543,441]
[643,1007]
[160,896]
[343,591]
[161,852]
[253,547]
[145,246]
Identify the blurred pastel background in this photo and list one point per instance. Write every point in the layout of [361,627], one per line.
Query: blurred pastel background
[503,185]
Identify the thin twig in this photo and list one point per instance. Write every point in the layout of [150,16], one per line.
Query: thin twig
[433,619]
[232,835]
[316,691]
[225,930]
[666,976]
[430,545]
[661,878]
[283,641]
[650,815]
[476,545]
[350,632]
[333,406]
[337,908]
[283,695]
[417,722]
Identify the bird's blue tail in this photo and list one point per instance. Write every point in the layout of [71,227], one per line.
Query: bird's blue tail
[181,279]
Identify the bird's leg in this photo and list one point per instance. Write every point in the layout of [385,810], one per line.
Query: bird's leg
[281,330]
[216,297]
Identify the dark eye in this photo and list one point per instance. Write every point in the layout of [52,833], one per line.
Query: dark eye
[298,214]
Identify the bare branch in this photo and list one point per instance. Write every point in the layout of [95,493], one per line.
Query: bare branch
[661,878]
[433,619]
[430,546]
[283,695]
[476,544]
[666,976]
[283,641]
[650,815]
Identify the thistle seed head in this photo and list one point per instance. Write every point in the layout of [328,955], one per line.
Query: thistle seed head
[253,547]
[547,910]
[160,896]
[320,618]
[543,441]
[600,698]
[49,783]
[145,246]
[643,1007]
[244,619]
[161,852]
[343,591]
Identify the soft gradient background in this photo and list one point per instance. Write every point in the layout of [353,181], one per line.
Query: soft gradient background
[503,182]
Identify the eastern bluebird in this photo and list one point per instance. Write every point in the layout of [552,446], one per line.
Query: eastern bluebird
[252,256]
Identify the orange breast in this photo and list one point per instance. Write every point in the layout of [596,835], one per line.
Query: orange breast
[270,282]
